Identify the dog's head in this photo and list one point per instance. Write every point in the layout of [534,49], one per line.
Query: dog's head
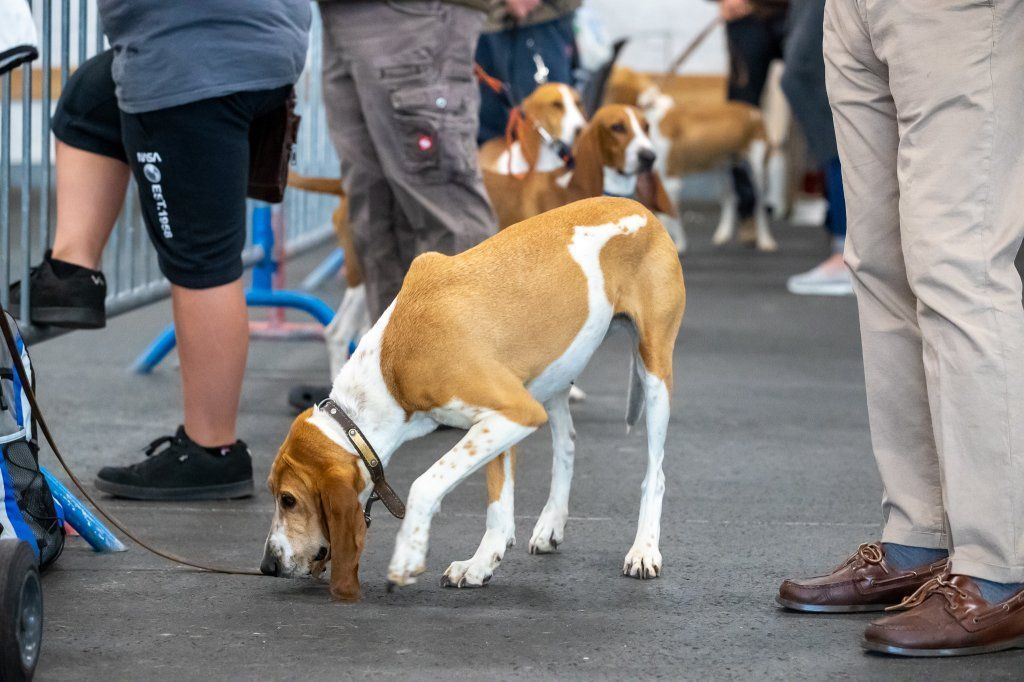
[641,90]
[558,110]
[625,86]
[613,149]
[317,517]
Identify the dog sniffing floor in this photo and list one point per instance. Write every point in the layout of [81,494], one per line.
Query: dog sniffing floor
[768,474]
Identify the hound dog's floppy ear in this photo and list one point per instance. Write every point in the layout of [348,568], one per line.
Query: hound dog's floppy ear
[651,193]
[346,529]
[588,174]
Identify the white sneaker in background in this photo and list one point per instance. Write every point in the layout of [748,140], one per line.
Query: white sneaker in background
[824,280]
[809,212]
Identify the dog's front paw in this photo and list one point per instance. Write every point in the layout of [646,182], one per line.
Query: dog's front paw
[405,565]
[721,237]
[548,534]
[767,244]
[469,573]
[642,563]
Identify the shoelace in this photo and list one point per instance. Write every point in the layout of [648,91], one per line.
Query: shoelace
[152,448]
[867,553]
[940,584]
[162,440]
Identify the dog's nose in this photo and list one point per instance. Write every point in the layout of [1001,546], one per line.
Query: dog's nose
[646,157]
[270,565]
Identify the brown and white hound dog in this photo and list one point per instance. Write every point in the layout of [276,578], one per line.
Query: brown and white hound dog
[489,340]
[698,135]
[541,132]
[613,155]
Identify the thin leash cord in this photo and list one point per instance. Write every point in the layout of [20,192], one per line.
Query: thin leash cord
[37,416]
[691,48]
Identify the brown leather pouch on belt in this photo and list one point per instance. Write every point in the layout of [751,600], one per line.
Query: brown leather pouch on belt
[271,143]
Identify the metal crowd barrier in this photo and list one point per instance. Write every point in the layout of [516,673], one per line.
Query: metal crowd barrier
[70,33]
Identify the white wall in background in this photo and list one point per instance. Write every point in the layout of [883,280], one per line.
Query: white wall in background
[661,29]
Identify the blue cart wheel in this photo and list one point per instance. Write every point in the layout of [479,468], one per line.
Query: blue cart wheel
[21,611]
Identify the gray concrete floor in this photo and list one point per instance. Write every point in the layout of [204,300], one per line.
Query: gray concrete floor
[769,474]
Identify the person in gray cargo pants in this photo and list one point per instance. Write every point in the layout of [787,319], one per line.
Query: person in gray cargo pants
[402,106]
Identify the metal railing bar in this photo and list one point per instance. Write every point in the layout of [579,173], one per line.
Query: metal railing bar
[26,185]
[65,42]
[83,27]
[44,131]
[5,185]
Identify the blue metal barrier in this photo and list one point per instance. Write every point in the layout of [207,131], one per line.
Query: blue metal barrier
[82,519]
[260,294]
[327,269]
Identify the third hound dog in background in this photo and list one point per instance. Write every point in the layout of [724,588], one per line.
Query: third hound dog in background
[702,135]
[489,340]
[613,155]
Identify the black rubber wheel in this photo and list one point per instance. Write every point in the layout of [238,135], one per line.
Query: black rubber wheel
[21,611]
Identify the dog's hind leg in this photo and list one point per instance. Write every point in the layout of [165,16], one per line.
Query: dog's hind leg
[644,558]
[757,159]
[727,218]
[656,330]
[550,529]
[501,527]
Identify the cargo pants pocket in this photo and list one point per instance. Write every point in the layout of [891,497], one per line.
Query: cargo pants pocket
[433,124]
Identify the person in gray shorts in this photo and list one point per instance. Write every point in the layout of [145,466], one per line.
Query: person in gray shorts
[173,102]
[402,105]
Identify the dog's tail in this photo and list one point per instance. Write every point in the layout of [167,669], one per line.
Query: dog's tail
[319,185]
[635,396]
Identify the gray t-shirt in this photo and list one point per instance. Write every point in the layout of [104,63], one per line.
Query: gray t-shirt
[172,52]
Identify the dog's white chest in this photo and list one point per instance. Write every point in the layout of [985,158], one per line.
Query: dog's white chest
[585,249]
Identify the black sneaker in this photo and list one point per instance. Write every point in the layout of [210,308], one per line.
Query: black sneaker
[304,396]
[183,470]
[63,295]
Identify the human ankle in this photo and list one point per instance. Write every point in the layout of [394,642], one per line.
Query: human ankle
[69,261]
[905,557]
[997,593]
[214,443]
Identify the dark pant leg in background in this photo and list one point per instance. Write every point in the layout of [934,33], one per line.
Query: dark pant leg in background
[803,82]
[754,43]
[509,56]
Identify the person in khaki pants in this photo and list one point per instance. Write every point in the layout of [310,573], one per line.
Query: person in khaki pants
[928,102]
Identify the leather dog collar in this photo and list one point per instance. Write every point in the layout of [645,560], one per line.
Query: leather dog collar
[381,490]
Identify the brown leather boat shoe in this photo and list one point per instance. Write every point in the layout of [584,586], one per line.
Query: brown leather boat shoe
[949,617]
[864,582]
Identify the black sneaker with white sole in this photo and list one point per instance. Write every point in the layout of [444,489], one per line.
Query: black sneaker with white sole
[182,470]
[63,295]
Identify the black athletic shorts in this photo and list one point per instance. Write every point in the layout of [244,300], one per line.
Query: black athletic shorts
[191,165]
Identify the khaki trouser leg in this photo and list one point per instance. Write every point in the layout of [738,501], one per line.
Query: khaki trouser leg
[945,74]
[901,426]
[410,66]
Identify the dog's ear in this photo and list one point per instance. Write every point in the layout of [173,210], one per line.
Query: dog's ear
[651,193]
[588,173]
[346,530]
